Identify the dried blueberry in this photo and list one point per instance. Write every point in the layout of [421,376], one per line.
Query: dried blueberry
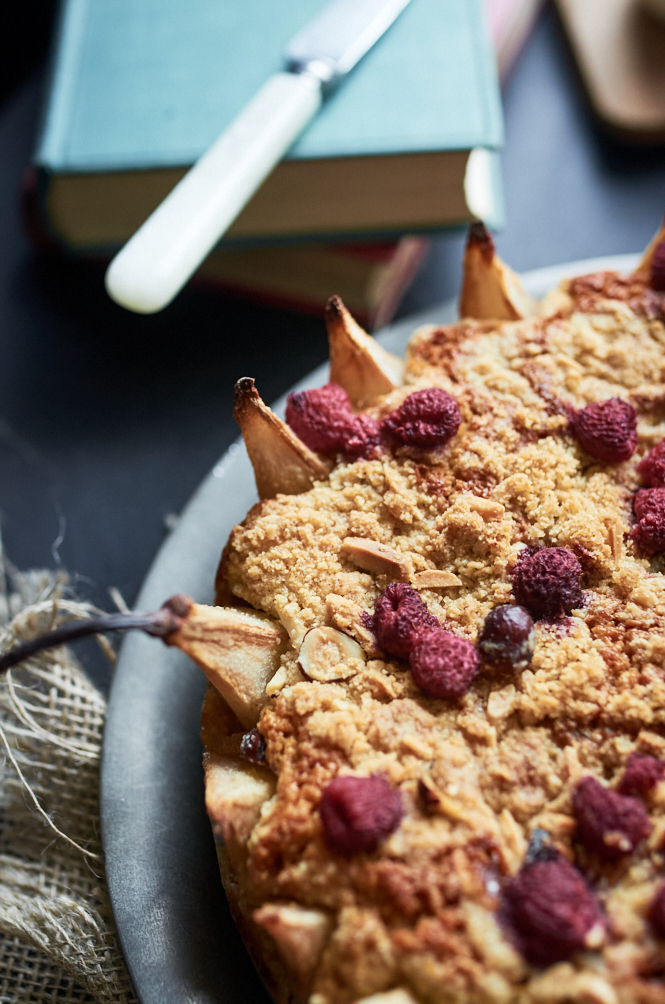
[508,638]
[541,847]
[253,747]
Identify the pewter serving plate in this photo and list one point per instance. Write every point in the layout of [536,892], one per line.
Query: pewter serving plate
[175,928]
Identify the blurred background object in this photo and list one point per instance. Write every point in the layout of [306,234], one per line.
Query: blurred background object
[108,421]
[510,22]
[619,46]
[138,92]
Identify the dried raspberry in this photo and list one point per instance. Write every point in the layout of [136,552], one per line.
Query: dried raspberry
[323,419]
[253,747]
[656,913]
[607,430]
[642,773]
[358,812]
[649,531]
[551,912]
[399,615]
[608,824]
[547,582]
[427,418]
[442,664]
[652,467]
[508,638]
[364,440]
[658,268]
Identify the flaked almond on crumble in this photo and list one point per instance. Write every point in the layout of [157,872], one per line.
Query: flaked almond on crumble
[435,735]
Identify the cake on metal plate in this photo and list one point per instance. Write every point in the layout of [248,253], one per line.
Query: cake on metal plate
[435,735]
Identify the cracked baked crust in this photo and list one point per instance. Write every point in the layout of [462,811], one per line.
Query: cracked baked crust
[418,916]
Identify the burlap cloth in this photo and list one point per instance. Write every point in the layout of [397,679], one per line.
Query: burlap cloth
[57,938]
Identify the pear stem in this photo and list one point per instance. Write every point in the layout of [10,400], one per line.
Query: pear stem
[158,623]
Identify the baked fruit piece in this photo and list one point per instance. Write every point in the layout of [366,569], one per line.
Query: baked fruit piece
[447,784]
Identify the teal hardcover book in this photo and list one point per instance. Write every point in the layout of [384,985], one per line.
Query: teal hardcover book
[140,88]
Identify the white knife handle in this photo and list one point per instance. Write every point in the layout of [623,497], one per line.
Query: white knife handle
[158,260]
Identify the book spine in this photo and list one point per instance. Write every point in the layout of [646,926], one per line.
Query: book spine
[388,285]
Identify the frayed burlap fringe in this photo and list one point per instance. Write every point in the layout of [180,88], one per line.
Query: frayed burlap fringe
[57,937]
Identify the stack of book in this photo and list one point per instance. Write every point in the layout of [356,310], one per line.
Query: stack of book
[140,88]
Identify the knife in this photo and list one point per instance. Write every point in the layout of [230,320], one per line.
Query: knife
[157,261]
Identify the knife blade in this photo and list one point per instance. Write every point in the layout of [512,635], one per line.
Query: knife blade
[166,250]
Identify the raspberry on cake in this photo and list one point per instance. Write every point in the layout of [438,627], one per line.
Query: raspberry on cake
[435,735]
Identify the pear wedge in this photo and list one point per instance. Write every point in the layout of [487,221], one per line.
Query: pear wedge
[281,462]
[238,650]
[643,270]
[357,362]
[235,793]
[300,935]
[490,289]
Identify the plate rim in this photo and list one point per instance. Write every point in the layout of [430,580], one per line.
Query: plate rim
[186,560]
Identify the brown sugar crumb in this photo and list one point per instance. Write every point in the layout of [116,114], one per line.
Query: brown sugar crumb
[568,743]
[588,292]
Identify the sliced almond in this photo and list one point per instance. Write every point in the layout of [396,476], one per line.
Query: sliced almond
[490,289]
[327,654]
[357,362]
[235,793]
[347,616]
[643,270]
[615,540]
[514,843]
[300,935]
[487,508]
[281,462]
[237,650]
[435,578]
[377,558]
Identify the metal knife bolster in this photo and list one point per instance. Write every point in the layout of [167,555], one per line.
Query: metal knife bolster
[323,70]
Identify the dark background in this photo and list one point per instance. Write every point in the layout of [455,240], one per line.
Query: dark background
[108,420]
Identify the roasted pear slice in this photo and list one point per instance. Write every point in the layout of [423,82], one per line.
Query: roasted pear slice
[300,935]
[238,650]
[643,270]
[235,793]
[490,289]
[281,462]
[357,362]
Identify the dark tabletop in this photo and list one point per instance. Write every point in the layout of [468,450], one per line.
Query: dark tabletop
[109,420]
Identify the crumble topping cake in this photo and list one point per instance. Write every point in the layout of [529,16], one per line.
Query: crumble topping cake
[435,745]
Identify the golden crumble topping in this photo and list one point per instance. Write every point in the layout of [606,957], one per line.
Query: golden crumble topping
[480,774]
